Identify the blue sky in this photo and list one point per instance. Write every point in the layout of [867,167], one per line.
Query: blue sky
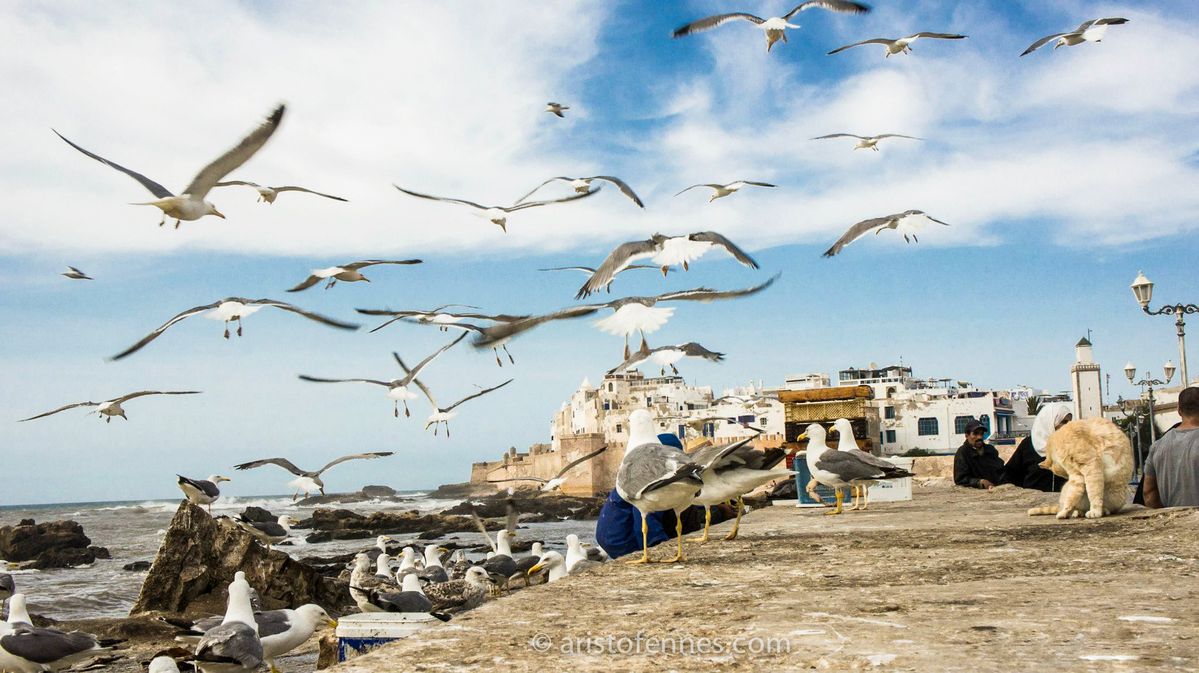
[1062,174]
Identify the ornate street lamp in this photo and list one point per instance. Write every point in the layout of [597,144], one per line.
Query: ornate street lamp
[1130,371]
[1142,289]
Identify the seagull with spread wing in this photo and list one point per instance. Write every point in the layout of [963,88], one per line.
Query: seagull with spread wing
[191,204]
[557,480]
[347,273]
[269,194]
[583,186]
[721,191]
[556,109]
[899,45]
[76,274]
[906,223]
[229,310]
[666,356]
[110,408]
[445,320]
[774,27]
[397,389]
[866,142]
[442,415]
[591,271]
[664,252]
[1088,31]
[309,481]
[497,215]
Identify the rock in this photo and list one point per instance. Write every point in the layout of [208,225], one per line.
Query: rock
[136,566]
[378,491]
[100,552]
[532,508]
[351,498]
[252,513]
[199,556]
[56,544]
[463,490]
[342,524]
[326,652]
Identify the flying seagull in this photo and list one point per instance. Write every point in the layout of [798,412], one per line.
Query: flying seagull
[347,273]
[591,271]
[557,480]
[774,27]
[76,274]
[305,480]
[866,142]
[497,215]
[445,320]
[201,491]
[721,191]
[269,194]
[583,186]
[906,223]
[110,408]
[190,204]
[664,252]
[229,310]
[556,109]
[666,356]
[899,45]
[1088,31]
[397,389]
[444,414]
[267,532]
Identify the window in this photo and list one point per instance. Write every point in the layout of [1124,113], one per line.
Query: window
[609,387]
[927,426]
[606,407]
[890,436]
[619,428]
[888,412]
[986,421]
[960,423]
[649,401]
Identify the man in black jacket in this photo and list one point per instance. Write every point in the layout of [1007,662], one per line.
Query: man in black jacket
[977,464]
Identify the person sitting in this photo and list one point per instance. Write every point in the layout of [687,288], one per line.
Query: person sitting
[1024,469]
[1172,470]
[977,464]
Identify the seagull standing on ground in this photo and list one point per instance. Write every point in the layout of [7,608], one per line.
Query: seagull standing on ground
[498,215]
[557,480]
[774,27]
[860,488]
[229,310]
[309,481]
[460,595]
[76,274]
[442,415]
[736,473]
[190,204]
[556,109]
[28,649]
[837,469]
[664,252]
[233,646]
[269,194]
[201,491]
[346,273]
[899,45]
[583,186]
[1088,31]
[906,223]
[866,142]
[110,408]
[280,631]
[721,191]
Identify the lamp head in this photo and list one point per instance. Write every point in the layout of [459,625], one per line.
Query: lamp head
[1168,369]
[1142,289]
[1130,371]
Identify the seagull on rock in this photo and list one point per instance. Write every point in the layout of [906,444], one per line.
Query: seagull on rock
[268,532]
[269,194]
[347,273]
[397,389]
[190,204]
[667,356]
[110,408]
[899,45]
[866,142]
[583,186]
[721,191]
[664,252]
[442,415]
[556,109]
[76,274]
[1088,31]
[498,215]
[234,645]
[555,482]
[201,491]
[229,310]
[309,481]
[860,489]
[906,223]
[774,27]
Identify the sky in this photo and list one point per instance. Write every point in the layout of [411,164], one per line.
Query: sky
[1062,174]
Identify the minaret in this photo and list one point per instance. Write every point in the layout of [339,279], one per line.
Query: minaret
[1087,382]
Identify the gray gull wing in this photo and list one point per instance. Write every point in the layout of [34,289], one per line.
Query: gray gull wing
[156,189]
[208,176]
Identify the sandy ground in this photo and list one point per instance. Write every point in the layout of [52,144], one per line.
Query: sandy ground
[956,580]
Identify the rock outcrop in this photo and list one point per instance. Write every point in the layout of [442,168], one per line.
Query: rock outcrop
[343,524]
[532,507]
[56,544]
[199,556]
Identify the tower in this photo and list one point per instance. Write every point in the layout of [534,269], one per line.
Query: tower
[1087,382]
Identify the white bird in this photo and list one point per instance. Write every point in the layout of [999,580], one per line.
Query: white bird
[28,649]
[1087,31]
[554,563]
[899,45]
[397,389]
[721,191]
[837,469]
[201,491]
[590,271]
[667,356]
[736,473]
[18,610]
[556,109]
[498,215]
[268,532]
[445,320]
[860,488]
[234,645]
[110,408]
[309,481]
[190,204]
[347,273]
[229,310]
[433,571]
[576,556]
[364,581]
[442,415]
[664,252]
[269,194]
[583,186]
[906,223]
[774,27]
[555,482]
[280,631]
[75,274]
[866,142]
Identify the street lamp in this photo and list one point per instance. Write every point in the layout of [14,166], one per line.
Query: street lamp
[1130,371]
[1142,289]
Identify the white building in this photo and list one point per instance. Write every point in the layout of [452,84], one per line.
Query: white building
[1086,381]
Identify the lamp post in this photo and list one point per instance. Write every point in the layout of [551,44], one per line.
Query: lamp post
[1142,289]
[1130,371]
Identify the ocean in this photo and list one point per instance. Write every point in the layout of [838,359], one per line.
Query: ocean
[133,530]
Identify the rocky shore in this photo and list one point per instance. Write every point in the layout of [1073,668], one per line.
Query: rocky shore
[56,544]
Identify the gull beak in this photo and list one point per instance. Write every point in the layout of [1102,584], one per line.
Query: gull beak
[218,213]
[802,436]
[535,569]
[442,550]
[332,622]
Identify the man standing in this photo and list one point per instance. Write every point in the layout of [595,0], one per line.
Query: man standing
[977,464]
[1172,471]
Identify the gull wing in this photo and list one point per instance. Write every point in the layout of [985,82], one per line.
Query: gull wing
[372,262]
[939,36]
[299,311]
[510,514]
[534,204]
[933,218]
[1112,21]
[843,6]
[482,528]
[534,190]
[143,393]
[294,188]
[876,40]
[707,294]
[710,22]
[585,269]
[847,466]
[840,135]
[356,456]
[69,406]
[421,365]
[1046,40]
[897,135]
[163,327]
[156,189]
[579,461]
[497,333]
[423,388]
[306,283]
[478,394]
[719,240]
[857,231]
[418,195]
[623,187]
[281,462]
[704,184]
[314,379]
[241,183]
[618,259]
[208,176]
